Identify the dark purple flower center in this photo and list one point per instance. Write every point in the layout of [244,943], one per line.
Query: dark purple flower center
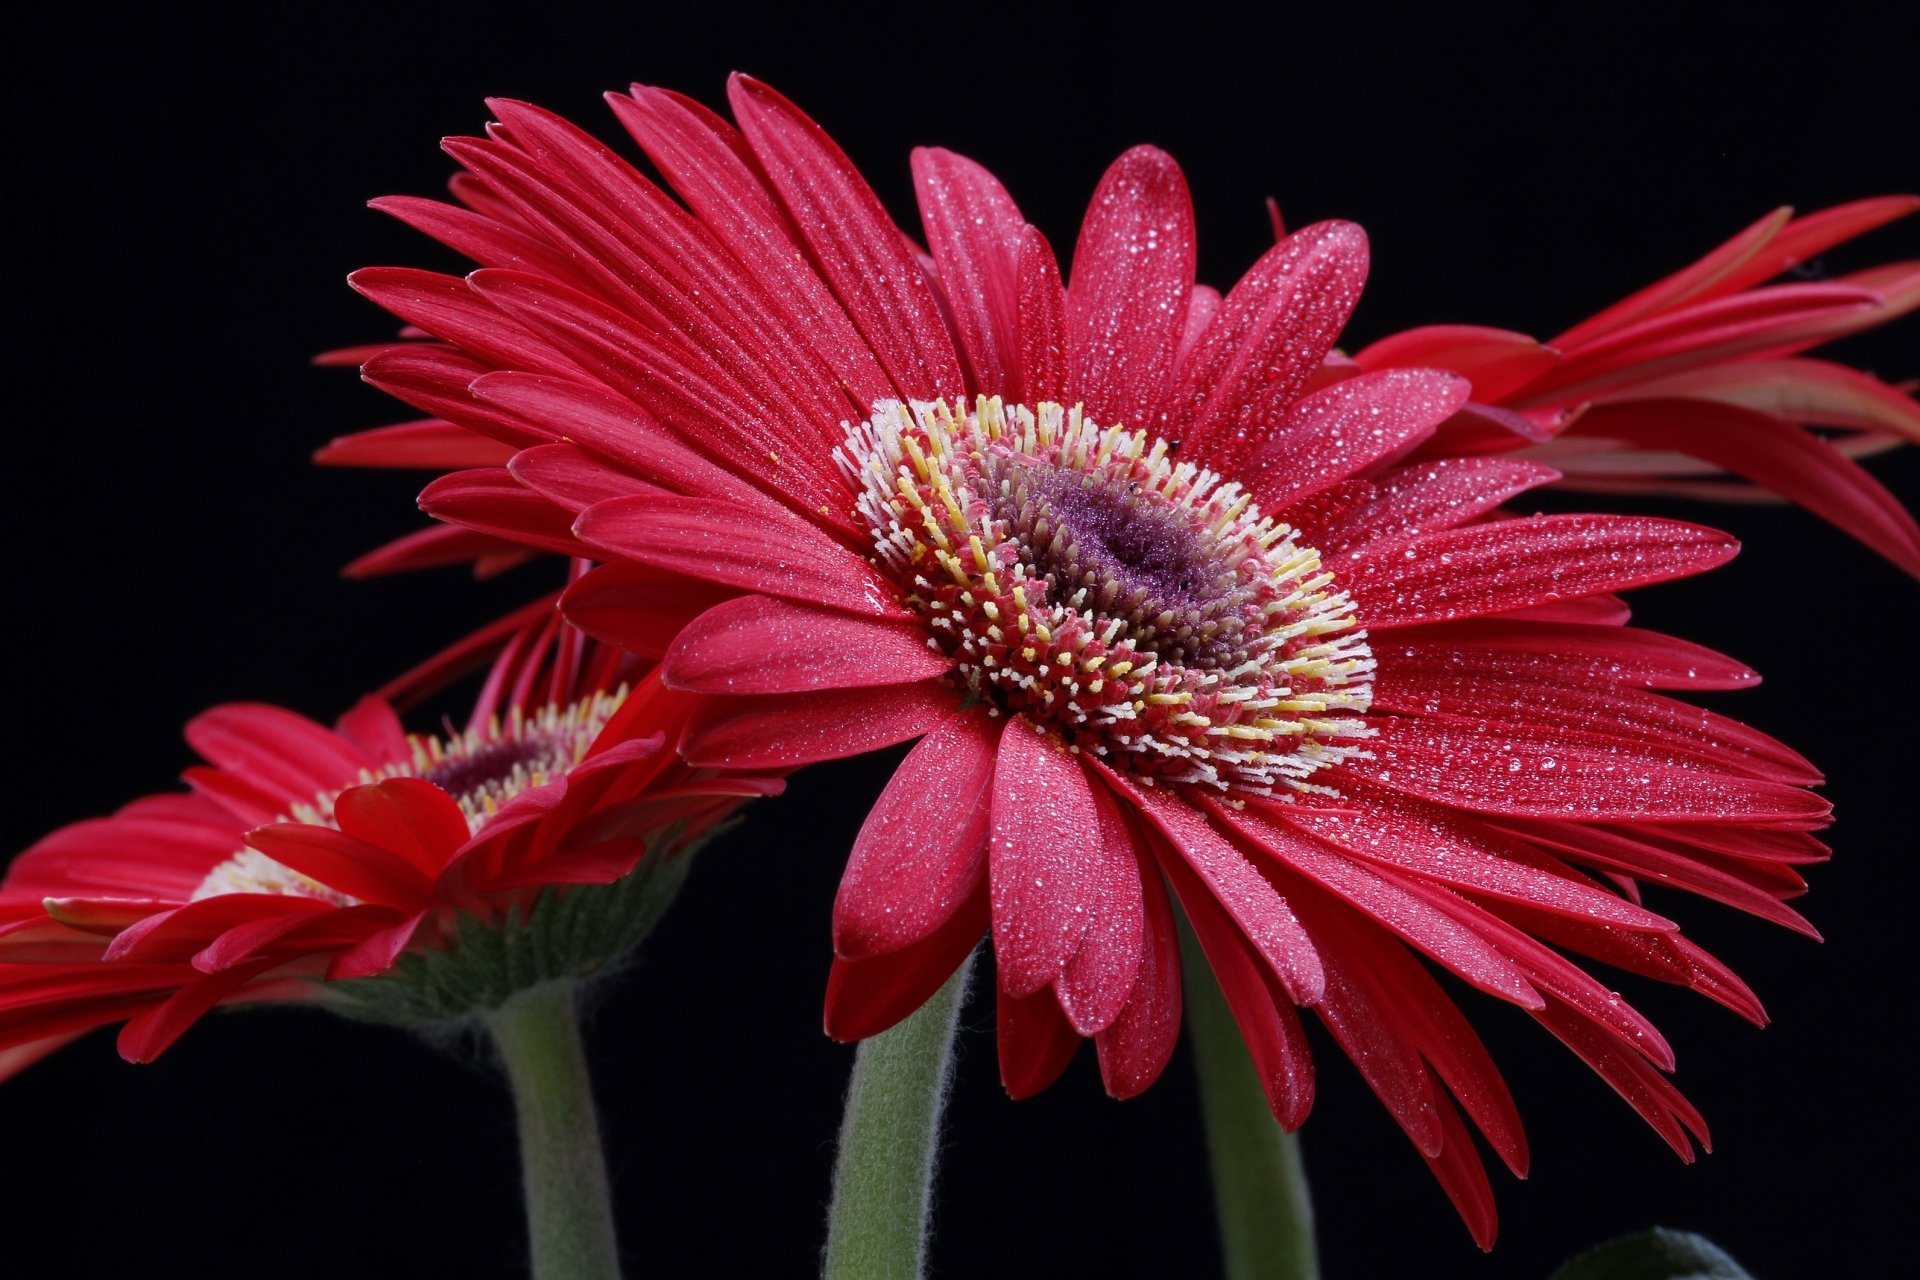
[489,765]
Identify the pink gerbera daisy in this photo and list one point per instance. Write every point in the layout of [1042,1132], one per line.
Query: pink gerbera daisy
[305,857]
[1166,624]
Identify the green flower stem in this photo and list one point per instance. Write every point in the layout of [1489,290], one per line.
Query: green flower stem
[1259,1185]
[883,1178]
[569,1212]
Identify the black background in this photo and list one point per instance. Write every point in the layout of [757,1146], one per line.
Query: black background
[191,193]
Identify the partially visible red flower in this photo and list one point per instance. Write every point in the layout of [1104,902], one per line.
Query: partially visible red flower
[1167,624]
[1697,386]
[304,855]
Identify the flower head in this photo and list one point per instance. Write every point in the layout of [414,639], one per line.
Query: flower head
[1167,618]
[305,857]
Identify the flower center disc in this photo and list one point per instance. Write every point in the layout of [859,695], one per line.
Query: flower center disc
[1142,609]
[481,769]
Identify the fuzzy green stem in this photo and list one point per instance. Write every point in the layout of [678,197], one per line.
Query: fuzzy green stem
[1259,1184]
[889,1137]
[569,1211]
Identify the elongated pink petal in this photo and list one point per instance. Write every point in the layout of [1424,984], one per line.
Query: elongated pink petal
[1375,1041]
[1559,710]
[449,309]
[1135,1047]
[432,445]
[1813,234]
[1127,292]
[1461,1175]
[617,430]
[637,607]
[1255,905]
[1513,564]
[868,995]
[1100,977]
[852,241]
[1775,455]
[1448,1043]
[786,729]
[244,941]
[1799,389]
[1348,429]
[921,853]
[171,937]
[435,380]
[438,546]
[1714,273]
[151,1033]
[1779,317]
[1042,362]
[1633,1078]
[1456,949]
[1275,1039]
[1034,1039]
[275,748]
[1474,765]
[757,644]
[1272,331]
[975,232]
[570,477]
[738,546]
[1430,496]
[493,503]
[708,164]
[339,861]
[1652,860]
[1043,811]
[375,953]
[1436,843]
[1573,652]
[1495,361]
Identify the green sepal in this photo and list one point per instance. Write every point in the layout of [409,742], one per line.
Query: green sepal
[1658,1254]
[567,933]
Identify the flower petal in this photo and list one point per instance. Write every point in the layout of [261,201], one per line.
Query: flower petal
[975,233]
[1272,331]
[921,853]
[1034,1039]
[410,818]
[1043,889]
[1136,1046]
[1773,454]
[739,546]
[868,995]
[638,607]
[337,860]
[780,730]
[1127,293]
[1255,905]
[757,644]
[1348,429]
[854,243]
[1514,564]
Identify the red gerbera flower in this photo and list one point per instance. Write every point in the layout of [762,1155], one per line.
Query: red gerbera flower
[1158,618]
[1697,384]
[304,857]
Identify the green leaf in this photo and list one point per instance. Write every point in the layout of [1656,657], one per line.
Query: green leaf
[1658,1254]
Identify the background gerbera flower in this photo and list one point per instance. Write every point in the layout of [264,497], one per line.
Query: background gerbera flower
[1202,631]
[303,857]
[1696,385]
